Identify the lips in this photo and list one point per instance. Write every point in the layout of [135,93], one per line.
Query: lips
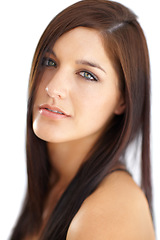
[53,109]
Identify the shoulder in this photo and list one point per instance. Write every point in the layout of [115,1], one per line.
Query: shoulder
[117,210]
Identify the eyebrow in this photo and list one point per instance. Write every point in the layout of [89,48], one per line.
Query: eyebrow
[51,51]
[83,62]
[91,64]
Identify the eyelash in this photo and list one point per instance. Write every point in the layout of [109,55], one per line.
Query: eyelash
[90,76]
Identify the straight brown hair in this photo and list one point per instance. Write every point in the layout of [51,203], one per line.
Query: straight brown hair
[126,46]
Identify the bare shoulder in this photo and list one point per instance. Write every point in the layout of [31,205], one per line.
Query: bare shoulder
[117,210]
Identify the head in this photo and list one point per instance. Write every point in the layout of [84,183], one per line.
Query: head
[125,47]
[121,39]
[81,82]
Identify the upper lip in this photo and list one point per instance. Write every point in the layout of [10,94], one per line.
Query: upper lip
[54,108]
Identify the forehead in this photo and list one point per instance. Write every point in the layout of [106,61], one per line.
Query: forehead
[81,40]
[81,32]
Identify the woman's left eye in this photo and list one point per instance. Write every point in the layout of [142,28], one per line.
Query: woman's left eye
[89,76]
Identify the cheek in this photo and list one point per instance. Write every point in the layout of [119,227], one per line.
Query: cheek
[40,94]
[102,103]
[98,110]
[39,99]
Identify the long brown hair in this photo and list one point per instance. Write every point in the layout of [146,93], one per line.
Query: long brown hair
[126,45]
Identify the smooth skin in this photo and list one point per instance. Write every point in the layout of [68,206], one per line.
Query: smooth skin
[80,80]
[117,210]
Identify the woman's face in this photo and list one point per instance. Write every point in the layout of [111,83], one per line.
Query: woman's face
[78,94]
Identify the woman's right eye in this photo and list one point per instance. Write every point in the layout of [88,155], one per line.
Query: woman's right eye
[48,62]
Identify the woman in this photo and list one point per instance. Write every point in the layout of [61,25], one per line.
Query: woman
[88,100]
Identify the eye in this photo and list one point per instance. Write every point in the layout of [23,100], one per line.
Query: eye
[49,62]
[89,76]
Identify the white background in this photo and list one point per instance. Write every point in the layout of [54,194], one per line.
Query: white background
[21,25]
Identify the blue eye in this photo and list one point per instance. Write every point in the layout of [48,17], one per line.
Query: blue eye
[89,76]
[49,62]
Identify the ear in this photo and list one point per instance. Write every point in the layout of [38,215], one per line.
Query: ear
[120,108]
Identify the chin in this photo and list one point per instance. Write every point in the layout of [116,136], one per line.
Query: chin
[48,136]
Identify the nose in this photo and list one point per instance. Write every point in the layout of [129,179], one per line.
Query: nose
[53,93]
[56,88]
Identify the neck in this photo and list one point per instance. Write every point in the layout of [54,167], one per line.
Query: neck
[67,158]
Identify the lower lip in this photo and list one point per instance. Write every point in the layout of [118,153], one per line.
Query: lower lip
[52,115]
